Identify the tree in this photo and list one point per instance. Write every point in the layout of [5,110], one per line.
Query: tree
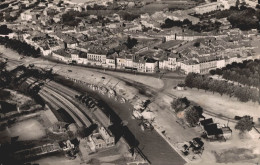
[130,16]
[245,124]
[254,95]
[197,81]
[219,71]
[189,80]
[213,86]
[180,104]
[212,72]
[168,23]
[131,42]
[192,116]
[205,84]
[230,89]
[4,30]
[196,44]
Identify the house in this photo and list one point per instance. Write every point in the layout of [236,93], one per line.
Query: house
[208,7]
[129,62]
[163,62]
[172,61]
[226,132]
[45,50]
[180,87]
[82,58]
[111,60]
[205,122]
[97,56]
[197,145]
[190,66]
[103,138]
[66,145]
[121,61]
[74,55]
[212,131]
[62,55]
[151,65]
[27,16]
[202,65]
[139,63]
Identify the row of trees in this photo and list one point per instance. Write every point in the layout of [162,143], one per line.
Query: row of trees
[237,16]
[246,73]
[192,113]
[244,94]
[168,23]
[205,26]
[129,16]
[20,47]
[70,18]
[240,19]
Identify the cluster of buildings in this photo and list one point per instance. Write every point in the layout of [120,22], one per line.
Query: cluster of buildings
[101,139]
[214,131]
[94,43]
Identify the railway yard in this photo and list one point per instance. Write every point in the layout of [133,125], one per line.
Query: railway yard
[107,101]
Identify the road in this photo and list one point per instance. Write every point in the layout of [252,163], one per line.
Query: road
[165,90]
[157,150]
[152,145]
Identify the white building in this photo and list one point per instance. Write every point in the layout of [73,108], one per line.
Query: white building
[26,16]
[208,7]
[120,62]
[62,56]
[202,65]
[190,66]
[96,58]
[151,65]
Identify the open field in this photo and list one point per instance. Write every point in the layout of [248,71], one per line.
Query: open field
[223,105]
[30,129]
[147,80]
[238,150]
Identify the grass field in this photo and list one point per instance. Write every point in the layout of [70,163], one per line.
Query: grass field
[222,105]
[27,130]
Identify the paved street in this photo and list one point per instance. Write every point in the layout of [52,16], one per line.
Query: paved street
[152,144]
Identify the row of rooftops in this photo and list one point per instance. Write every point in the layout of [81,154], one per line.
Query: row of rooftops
[212,128]
[149,56]
[207,47]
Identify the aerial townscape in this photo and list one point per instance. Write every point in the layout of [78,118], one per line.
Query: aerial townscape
[129,82]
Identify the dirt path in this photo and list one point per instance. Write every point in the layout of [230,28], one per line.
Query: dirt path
[223,105]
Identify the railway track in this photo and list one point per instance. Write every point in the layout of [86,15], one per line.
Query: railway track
[209,112]
[57,103]
[66,94]
[57,100]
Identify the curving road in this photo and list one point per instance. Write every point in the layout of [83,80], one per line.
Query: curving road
[152,145]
